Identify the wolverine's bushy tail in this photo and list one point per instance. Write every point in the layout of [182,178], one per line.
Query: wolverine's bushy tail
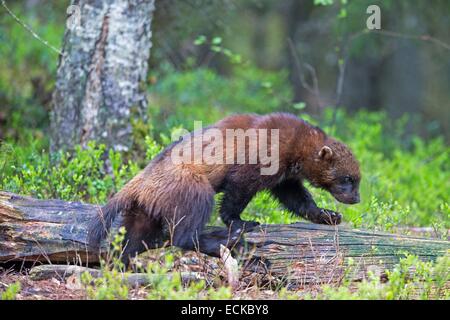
[101,224]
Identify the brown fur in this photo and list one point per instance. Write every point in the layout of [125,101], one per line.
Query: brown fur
[174,201]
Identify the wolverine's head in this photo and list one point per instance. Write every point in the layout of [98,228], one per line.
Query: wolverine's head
[335,169]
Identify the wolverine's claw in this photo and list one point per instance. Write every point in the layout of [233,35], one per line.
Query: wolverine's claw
[330,217]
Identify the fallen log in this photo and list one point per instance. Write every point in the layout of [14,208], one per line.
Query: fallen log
[54,231]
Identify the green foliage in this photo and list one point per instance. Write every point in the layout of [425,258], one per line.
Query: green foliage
[11,292]
[27,70]
[323,2]
[179,98]
[111,285]
[166,285]
[410,279]
[265,209]
[153,148]
[80,176]
[216,46]
[404,177]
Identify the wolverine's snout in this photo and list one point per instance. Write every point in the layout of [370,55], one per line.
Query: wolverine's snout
[347,198]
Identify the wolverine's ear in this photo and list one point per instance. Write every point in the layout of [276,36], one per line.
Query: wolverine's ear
[325,153]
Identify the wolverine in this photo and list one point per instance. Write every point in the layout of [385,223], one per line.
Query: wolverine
[173,200]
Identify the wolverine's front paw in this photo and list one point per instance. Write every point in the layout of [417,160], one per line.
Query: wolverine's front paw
[324,216]
[330,217]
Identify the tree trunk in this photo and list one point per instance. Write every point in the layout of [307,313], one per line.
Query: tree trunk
[102,73]
[55,231]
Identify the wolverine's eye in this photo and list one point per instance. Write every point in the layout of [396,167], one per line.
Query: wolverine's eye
[346,180]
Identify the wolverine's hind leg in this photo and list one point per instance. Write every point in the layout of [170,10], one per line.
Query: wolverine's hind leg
[189,218]
[191,214]
[141,234]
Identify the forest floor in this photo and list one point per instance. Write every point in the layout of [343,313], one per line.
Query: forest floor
[70,288]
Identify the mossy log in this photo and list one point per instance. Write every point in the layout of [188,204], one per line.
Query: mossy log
[54,231]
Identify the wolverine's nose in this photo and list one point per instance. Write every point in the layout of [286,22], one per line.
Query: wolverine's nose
[356,199]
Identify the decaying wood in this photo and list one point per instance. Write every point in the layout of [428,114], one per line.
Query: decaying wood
[55,231]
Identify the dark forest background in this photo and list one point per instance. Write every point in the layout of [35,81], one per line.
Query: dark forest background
[398,70]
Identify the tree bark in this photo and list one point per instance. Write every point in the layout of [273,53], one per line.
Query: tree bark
[102,73]
[54,231]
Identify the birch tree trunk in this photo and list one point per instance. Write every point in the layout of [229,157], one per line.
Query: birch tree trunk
[102,73]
